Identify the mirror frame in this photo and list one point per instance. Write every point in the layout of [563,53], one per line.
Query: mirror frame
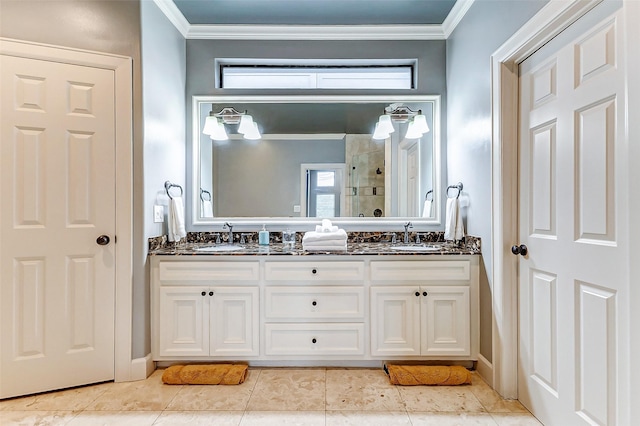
[296,222]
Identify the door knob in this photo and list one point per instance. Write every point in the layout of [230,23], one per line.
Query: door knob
[521,250]
[103,240]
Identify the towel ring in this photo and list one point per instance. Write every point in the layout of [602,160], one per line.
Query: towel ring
[202,195]
[168,185]
[426,197]
[458,187]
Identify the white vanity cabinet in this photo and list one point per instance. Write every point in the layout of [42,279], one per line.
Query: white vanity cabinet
[423,309]
[205,309]
[314,308]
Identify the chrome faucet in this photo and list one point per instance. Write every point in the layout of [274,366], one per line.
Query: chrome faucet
[406,231]
[230,227]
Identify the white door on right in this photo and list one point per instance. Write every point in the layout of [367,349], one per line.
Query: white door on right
[574,281]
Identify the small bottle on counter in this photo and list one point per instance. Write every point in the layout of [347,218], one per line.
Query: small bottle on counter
[263,236]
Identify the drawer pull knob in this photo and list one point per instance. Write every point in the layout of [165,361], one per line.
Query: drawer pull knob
[314,271]
[314,303]
[313,340]
[417,293]
[210,293]
[424,293]
[204,293]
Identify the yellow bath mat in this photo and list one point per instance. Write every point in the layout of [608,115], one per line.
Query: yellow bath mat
[412,375]
[202,374]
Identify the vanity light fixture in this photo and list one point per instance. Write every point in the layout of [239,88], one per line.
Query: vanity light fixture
[401,114]
[214,124]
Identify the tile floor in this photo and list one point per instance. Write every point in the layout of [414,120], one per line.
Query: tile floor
[286,396]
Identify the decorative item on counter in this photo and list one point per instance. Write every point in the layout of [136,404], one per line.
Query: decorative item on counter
[326,237]
[288,238]
[263,236]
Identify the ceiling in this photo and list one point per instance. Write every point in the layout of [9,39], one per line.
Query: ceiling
[315,12]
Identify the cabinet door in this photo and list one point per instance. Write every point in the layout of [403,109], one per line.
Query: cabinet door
[184,323]
[234,321]
[395,316]
[445,321]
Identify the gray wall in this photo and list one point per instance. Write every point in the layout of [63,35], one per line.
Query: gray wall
[485,27]
[430,55]
[163,86]
[102,26]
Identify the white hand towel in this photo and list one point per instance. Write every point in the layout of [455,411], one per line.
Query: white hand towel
[325,248]
[175,226]
[319,229]
[313,236]
[329,243]
[453,229]
[206,208]
[426,209]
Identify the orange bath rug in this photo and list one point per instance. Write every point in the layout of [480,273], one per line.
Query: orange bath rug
[442,375]
[200,374]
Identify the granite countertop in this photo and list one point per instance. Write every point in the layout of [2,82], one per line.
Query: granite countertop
[353,248]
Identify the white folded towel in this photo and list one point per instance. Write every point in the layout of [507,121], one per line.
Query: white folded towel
[328,243]
[312,236]
[175,226]
[319,229]
[453,228]
[325,247]
[206,208]
[426,209]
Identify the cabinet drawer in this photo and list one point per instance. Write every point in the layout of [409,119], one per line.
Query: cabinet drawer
[314,271]
[314,303]
[314,339]
[458,270]
[209,271]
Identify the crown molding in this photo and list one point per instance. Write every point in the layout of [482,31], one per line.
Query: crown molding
[460,8]
[316,32]
[171,11]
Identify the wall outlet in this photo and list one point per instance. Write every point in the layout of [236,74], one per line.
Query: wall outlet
[296,208]
[158,214]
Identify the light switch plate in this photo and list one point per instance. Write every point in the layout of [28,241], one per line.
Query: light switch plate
[296,208]
[158,214]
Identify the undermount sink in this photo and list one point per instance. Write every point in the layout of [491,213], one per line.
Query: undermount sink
[417,248]
[222,247]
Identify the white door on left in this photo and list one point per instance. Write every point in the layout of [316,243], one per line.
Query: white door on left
[57,225]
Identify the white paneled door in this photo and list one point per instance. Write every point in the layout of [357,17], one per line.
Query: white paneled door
[573,277]
[57,218]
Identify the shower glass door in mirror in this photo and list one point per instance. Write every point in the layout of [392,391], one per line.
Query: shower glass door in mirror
[316,157]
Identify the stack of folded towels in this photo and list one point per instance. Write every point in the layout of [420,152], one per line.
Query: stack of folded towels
[326,237]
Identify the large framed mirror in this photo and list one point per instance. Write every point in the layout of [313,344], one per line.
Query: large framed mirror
[316,157]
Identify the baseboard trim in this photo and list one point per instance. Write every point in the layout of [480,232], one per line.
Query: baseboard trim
[141,368]
[485,369]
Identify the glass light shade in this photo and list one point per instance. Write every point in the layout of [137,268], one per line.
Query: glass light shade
[420,122]
[379,134]
[218,131]
[385,124]
[210,124]
[412,131]
[253,133]
[246,124]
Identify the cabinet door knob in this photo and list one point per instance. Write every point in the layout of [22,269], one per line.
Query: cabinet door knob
[210,293]
[417,293]
[204,293]
[314,271]
[424,293]
[313,340]
[314,303]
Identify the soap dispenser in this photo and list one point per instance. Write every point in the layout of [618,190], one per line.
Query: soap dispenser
[263,236]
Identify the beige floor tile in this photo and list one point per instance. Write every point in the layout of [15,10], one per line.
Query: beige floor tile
[65,400]
[279,418]
[204,397]
[361,389]
[515,419]
[440,398]
[289,390]
[145,395]
[492,401]
[451,419]
[40,418]
[120,418]
[199,418]
[367,418]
